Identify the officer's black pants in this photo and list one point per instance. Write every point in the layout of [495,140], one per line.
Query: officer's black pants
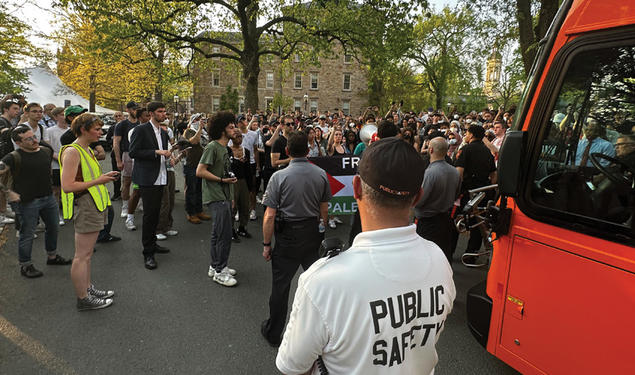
[296,245]
[438,229]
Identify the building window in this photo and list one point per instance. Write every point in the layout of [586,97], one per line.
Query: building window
[216,78]
[346,107]
[241,104]
[216,50]
[314,81]
[296,58]
[314,105]
[269,84]
[347,82]
[348,58]
[215,103]
[297,104]
[297,80]
[268,102]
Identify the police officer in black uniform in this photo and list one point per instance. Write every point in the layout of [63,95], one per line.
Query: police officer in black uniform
[296,198]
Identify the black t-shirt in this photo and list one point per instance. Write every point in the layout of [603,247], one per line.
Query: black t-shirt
[121,130]
[477,162]
[241,168]
[267,154]
[33,180]
[280,146]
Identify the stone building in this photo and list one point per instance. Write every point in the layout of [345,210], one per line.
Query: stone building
[493,73]
[338,83]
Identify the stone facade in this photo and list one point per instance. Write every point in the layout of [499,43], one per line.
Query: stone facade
[337,83]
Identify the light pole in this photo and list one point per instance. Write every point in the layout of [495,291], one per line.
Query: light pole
[306,102]
[176,105]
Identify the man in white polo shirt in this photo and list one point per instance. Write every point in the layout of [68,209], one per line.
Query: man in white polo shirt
[379,307]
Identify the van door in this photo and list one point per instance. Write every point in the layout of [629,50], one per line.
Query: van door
[570,292]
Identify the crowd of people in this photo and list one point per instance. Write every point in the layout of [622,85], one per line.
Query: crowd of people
[53,155]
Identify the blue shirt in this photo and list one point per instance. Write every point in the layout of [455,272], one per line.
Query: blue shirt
[599,145]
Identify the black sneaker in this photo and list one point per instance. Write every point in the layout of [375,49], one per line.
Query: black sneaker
[235,237]
[243,232]
[93,303]
[58,261]
[30,272]
[100,293]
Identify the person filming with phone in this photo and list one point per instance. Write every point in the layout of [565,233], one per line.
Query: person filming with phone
[378,307]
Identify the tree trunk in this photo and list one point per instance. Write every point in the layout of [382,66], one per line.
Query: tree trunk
[158,88]
[526,36]
[91,101]
[251,71]
[92,96]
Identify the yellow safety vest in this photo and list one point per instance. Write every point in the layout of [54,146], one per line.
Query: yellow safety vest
[91,170]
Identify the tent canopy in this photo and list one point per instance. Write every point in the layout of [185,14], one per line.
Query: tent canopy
[45,87]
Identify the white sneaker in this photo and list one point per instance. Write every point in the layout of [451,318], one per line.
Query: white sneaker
[338,220]
[161,237]
[40,227]
[172,232]
[332,224]
[211,272]
[61,222]
[124,213]
[224,279]
[130,224]
[236,217]
[6,220]
[252,215]
[258,200]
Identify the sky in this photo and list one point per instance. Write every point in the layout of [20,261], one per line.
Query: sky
[40,14]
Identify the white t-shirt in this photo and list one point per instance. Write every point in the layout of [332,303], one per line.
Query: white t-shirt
[53,137]
[377,308]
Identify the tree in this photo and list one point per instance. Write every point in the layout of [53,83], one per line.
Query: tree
[245,30]
[14,49]
[507,91]
[110,71]
[229,100]
[281,102]
[444,45]
[526,21]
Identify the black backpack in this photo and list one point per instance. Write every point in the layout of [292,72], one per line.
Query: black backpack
[6,145]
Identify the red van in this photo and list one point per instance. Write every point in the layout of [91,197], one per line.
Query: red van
[560,292]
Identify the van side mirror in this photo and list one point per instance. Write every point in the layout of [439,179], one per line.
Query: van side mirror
[509,162]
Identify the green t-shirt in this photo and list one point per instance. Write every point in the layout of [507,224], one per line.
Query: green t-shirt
[217,160]
[359,149]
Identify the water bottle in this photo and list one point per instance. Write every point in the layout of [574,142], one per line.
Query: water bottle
[322,227]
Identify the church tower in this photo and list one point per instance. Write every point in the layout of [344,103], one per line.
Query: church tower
[493,73]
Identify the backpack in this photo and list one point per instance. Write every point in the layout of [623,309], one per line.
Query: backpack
[6,146]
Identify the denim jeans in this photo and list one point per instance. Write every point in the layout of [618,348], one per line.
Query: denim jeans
[193,192]
[221,240]
[46,208]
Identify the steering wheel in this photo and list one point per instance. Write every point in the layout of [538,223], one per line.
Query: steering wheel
[621,179]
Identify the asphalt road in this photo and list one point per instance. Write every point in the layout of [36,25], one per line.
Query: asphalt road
[173,320]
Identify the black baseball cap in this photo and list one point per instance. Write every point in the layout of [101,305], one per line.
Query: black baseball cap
[392,167]
[132,105]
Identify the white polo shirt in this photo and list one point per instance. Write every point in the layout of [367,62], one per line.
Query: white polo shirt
[377,308]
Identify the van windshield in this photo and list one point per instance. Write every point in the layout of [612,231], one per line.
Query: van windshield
[587,160]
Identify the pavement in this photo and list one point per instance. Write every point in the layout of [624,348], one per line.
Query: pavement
[173,320]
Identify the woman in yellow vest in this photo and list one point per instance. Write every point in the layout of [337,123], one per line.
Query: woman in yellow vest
[85,198]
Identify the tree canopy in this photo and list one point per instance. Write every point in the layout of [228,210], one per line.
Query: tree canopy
[15,47]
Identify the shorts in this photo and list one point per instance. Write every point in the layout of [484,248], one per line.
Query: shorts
[127,165]
[55,177]
[86,217]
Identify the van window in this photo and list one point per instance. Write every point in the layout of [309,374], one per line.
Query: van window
[587,160]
